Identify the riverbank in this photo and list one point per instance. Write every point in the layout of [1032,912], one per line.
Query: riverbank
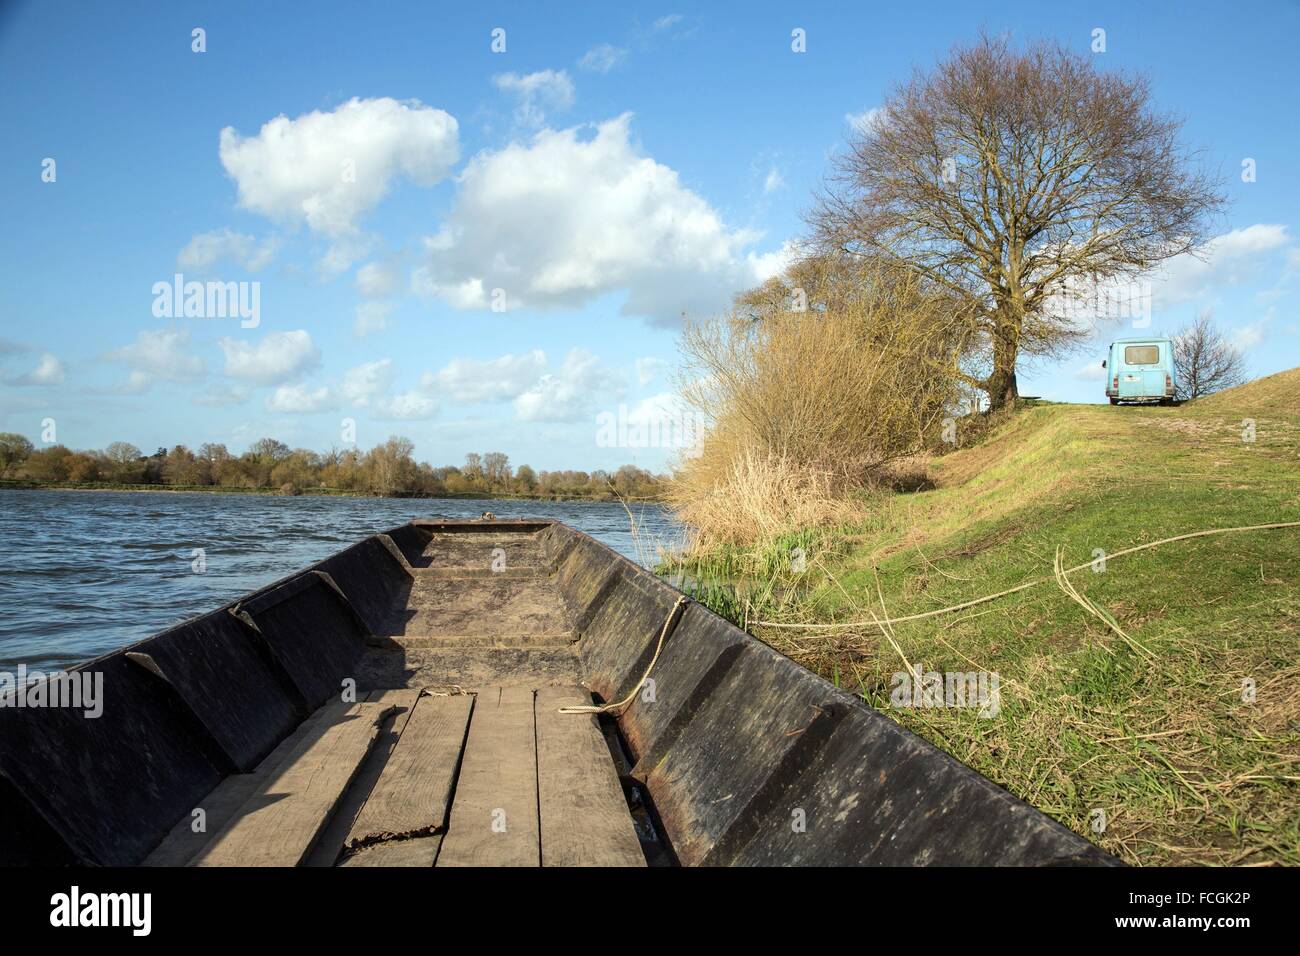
[24,484]
[1169,736]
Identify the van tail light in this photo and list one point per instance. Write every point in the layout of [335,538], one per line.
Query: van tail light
[1169,384]
[1115,383]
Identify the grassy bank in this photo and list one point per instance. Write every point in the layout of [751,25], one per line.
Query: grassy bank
[1150,729]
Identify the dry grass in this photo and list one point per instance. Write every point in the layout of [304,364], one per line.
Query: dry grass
[755,497]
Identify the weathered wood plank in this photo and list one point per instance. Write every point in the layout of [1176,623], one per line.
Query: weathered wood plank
[411,796]
[278,825]
[332,838]
[494,816]
[224,801]
[418,851]
[584,817]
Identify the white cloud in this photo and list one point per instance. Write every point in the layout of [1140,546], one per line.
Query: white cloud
[602,58]
[1250,336]
[158,355]
[1234,257]
[537,93]
[296,170]
[773,182]
[768,264]
[376,280]
[648,369]
[299,399]
[1091,372]
[569,394]
[866,121]
[208,248]
[278,358]
[495,380]
[406,406]
[367,381]
[48,371]
[565,219]
[665,23]
[343,252]
[372,317]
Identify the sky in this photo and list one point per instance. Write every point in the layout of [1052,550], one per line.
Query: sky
[480,225]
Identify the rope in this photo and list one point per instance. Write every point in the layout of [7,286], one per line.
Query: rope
[1028,584]
[611,708]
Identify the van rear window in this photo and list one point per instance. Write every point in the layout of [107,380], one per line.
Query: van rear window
[1141,355]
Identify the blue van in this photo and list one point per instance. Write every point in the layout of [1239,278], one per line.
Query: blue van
[1141,370]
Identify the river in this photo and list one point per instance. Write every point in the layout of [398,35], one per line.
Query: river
[84,573]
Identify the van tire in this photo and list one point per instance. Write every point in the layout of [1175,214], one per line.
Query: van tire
[1114,400]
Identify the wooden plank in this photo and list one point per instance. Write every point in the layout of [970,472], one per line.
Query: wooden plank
[278,825]
[223,802]
[332,838]
[418,851]
[494,816]
[584,817]
[411,796]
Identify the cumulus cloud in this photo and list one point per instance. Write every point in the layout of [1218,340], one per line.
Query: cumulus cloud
[372,317]
[299,399]
[495,380]
[405,406]
[569,394]
[1234,257]
[1091,372]
[602,58]
[537,93]
[367,381]
[1251,335]
[207,249]
[48,371]
[278,358]
[376,280]
[866,121]
[648,369]
[328,169]
[566,218]
[158,355]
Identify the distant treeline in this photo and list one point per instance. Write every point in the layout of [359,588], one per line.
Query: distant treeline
[270,465]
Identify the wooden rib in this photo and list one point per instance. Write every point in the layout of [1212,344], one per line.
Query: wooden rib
[222,804]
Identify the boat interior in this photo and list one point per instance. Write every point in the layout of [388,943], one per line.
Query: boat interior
[430,696]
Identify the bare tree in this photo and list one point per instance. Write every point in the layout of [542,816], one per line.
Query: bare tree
[1206,361]
[1011,178]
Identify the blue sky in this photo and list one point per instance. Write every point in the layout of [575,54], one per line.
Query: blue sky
[614,167]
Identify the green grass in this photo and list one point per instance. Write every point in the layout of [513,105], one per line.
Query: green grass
[1184,769]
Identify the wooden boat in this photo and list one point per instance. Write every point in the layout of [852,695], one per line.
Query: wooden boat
[402,703]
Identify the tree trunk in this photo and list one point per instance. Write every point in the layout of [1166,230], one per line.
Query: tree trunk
[1002,381]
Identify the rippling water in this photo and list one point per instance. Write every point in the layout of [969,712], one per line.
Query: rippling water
[83,573]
